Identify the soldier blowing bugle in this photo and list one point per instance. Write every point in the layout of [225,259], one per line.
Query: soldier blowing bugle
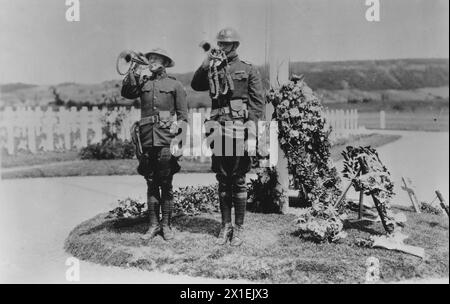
[238,100]
[162,97]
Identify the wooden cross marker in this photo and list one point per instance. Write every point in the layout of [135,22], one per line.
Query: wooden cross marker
[441,199]
[407,186]
[361,205]
[396,242]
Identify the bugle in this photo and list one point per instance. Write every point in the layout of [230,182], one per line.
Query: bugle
[130,61]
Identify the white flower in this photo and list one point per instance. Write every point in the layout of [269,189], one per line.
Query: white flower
[294,112]
[294,133]
[285,115]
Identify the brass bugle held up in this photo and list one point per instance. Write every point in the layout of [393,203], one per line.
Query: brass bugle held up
[205,45]
[216,53]
[129,61]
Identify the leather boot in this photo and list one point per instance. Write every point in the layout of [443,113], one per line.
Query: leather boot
[225,234]
[167,208]
[236,239]
[152,232]
[153,198]
[168,233]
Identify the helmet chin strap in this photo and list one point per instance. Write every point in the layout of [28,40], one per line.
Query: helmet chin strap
[232,49]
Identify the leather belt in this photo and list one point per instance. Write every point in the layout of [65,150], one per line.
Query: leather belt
[149,120]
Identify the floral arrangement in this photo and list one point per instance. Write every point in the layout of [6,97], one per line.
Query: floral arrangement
[194,200]
[320,223]
[187,201]
[128,208]
[264,194]
[303,137]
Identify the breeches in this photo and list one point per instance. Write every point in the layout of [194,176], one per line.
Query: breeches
[159,176]
[232,188]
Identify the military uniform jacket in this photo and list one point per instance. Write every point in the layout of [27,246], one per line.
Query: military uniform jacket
[163,97]
[247,85]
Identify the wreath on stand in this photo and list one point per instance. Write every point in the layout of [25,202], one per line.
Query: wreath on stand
[304,139]
[364,169]
[376,181]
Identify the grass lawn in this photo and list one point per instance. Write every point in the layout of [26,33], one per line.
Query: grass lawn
[40,158]
[272,253]
[55,164]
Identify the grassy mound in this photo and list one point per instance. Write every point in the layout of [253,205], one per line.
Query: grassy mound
[272,253]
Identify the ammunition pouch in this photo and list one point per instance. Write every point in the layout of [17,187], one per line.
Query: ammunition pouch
[237,109]
[166,120]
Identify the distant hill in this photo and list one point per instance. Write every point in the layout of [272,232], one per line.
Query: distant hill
[337,81]
[400,74]
[11,87]
[404,74]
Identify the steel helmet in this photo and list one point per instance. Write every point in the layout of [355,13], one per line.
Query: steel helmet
[228,34]
[163,53]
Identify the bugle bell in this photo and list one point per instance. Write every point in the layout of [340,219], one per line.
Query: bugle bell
[205,45]
[130,61]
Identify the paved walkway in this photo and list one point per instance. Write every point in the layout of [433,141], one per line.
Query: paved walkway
[37,214]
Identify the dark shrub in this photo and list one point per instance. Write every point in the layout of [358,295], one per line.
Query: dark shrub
[116,149]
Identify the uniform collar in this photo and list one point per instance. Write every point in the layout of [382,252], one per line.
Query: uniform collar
[232,56]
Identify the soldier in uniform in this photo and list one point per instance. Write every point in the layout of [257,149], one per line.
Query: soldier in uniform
[162,97]
[231,170]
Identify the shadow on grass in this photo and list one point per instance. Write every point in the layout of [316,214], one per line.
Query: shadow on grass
[190,224]
[364,226]
[198,224]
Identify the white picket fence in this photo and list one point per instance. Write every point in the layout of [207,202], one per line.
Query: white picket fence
[33,129]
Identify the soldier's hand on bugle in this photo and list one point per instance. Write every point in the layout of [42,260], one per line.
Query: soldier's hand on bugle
[130,77]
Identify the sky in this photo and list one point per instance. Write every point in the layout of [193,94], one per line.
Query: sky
[38,45]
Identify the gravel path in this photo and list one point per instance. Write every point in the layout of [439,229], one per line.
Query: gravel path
[37,214]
